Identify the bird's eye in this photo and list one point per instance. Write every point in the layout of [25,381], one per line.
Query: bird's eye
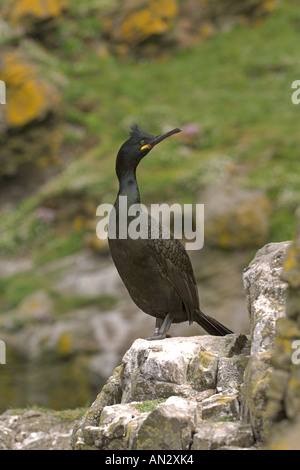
[142,142]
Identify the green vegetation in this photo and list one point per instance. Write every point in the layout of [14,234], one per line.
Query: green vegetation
[236,86]
[228,419]
[68,415]
[149,405]
[15,288]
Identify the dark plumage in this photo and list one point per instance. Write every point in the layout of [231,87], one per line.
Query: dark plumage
[156,271]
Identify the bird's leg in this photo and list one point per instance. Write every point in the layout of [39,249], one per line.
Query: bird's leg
[158,323]
[161,328]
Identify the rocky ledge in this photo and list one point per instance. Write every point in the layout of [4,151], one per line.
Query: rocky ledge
[165,391]
[200,392]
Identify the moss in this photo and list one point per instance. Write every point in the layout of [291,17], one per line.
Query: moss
[225,420]
[149,405]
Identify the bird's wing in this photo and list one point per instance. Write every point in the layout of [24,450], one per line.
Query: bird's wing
[175,266]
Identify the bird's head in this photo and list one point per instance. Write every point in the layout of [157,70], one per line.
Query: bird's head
[137,147]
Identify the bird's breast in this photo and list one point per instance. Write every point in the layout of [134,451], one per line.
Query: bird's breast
[140,273]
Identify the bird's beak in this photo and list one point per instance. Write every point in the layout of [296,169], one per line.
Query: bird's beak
[159,138]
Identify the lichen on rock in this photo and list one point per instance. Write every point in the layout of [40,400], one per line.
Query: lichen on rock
[147,26]
[30,129]
[137,20]
[283,405]
[168,369]
[33,17]
[28,96]
[266,299]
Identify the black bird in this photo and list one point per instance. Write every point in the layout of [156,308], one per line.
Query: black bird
[157,272]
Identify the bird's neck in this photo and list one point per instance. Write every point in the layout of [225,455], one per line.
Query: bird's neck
[128,187]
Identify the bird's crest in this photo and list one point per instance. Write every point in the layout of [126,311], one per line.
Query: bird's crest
[138,134]
[135,130]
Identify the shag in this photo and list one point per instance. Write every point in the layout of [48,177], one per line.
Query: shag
[157,272]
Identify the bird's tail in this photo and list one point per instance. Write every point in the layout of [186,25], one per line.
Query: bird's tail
[211,325]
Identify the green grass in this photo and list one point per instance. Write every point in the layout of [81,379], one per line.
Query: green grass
[149,405]
[67,415]
[66,304]
[236,86]
[228,419]
[17,287]
[58,247]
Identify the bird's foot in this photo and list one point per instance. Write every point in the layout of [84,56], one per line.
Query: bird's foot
[157,336]
[161,328]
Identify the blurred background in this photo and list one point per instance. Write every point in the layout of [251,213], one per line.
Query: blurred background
[78,74]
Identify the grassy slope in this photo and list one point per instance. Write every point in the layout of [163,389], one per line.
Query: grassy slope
[236,86]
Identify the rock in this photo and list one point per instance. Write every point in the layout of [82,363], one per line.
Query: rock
[169,426]
[9,267]
[30,129]
[177,366]
[179,378]
[28,96]
[83,277]
[266,294]
[34,430]
[266,300]
[220,406]
[283,405]
[135,21]
[231,372]
[37,306]
[35,18]
[152,26]
[210,436]
[235,217]
[291,268]
[199,20]
[256,386]
[284,435]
